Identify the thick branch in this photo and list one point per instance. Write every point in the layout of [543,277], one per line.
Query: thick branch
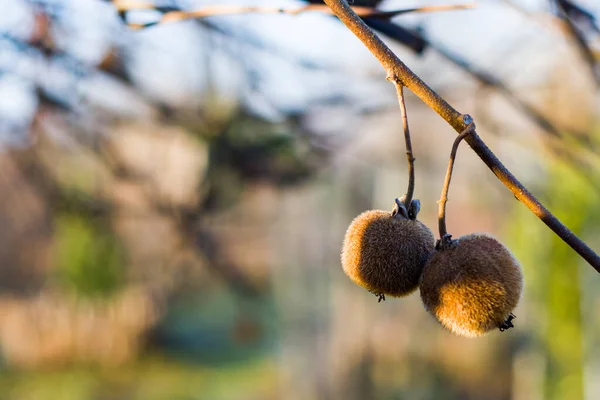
[398,69]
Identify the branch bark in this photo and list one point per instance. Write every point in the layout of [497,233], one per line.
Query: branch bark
[397,70]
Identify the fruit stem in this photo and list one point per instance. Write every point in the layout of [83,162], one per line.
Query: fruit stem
[409,155]
[444,197]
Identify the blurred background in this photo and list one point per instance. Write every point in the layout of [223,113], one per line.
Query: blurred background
[173,198]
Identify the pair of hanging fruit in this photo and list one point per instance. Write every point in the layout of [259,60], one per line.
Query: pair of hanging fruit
[470,285]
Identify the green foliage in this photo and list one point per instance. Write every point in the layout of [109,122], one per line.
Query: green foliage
[249,149]
[151,379]
[90,258]
[553,277]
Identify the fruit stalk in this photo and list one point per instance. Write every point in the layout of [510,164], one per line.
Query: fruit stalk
[446,187]
[409,154]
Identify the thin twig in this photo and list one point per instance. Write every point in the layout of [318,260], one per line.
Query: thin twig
[397,68]
[579,39]
[373,13]
[409,154]
[566,23]
[444,196]
[172,14]
[418,42]
[488,79]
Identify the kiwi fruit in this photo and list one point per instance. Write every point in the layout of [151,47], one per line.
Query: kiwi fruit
[471,285]
[385,252]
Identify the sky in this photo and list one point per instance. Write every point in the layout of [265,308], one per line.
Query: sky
[304,60]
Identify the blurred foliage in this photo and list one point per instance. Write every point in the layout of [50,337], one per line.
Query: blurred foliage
[152,378]
[250,149]
[90,259]
[77,74]
[218,328]
[553,272]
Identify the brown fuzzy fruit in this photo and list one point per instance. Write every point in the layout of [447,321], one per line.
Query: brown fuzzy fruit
[472,285]
[385,253]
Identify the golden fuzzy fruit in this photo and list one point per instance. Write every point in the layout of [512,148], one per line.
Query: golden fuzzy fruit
[385,253]
[472,285]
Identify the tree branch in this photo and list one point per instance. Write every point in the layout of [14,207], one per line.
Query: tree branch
[396,68]
[172,14]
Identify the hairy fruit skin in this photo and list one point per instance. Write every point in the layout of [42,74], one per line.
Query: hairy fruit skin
[472,286]
[386,254]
